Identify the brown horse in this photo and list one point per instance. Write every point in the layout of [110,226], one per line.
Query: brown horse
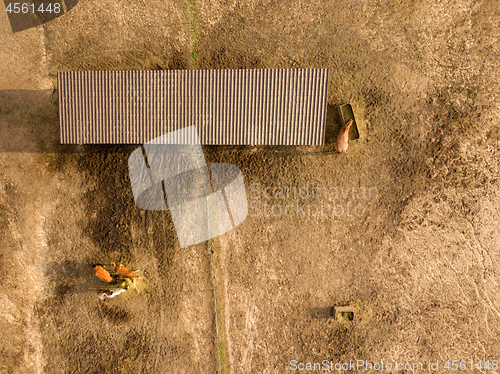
[103,274]
[122,270]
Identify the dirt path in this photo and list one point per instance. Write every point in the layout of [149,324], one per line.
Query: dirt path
[418,261]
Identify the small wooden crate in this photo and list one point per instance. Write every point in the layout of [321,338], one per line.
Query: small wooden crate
[343,313]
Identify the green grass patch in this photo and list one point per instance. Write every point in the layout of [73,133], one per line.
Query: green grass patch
[222,355]
[194,32]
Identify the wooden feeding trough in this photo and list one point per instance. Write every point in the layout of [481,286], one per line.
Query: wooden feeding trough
[345,115]
[343,313]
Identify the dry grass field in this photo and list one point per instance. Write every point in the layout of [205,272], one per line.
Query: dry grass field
[411,240]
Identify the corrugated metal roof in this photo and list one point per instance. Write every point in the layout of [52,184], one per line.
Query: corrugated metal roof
[228,107]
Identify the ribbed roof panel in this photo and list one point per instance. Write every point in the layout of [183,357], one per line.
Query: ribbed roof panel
[228,107]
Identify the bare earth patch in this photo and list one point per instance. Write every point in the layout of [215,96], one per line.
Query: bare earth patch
[418,261]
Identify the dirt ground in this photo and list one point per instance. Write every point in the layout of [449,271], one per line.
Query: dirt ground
[407,232]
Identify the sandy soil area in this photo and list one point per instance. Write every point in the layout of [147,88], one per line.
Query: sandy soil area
[407,234]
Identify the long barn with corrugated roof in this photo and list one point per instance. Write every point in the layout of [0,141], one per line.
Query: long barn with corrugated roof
[228,107]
